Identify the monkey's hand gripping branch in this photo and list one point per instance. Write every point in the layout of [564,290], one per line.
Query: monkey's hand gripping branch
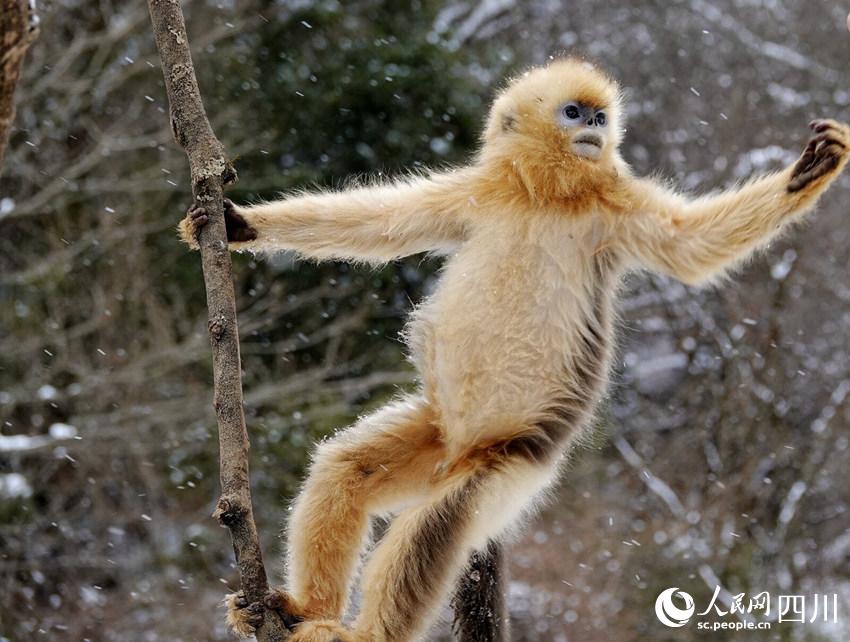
[210,172]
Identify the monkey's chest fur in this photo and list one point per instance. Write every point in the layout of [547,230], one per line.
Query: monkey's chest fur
[518,334]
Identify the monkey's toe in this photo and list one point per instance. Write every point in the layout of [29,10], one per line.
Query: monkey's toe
[243,617]
[282,603]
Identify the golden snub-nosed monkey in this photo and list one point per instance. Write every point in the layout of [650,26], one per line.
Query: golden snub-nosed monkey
[513,347]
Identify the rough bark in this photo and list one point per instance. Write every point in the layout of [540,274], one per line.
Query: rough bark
[18,29]
[480,613]
[210,171]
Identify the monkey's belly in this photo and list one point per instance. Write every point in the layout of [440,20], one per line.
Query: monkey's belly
[487,385]
[497,351]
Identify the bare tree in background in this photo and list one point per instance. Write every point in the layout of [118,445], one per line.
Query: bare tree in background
[729,430]
[18,28]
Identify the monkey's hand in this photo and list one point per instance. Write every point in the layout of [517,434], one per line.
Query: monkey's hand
[243,617]
[238,229]
[824,155]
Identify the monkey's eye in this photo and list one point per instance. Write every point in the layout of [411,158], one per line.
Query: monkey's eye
[571,112]
[601,119]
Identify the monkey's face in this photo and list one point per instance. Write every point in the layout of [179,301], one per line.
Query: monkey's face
[566,111]
[586,125]
[555,130]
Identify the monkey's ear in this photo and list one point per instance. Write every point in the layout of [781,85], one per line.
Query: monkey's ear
[509,122]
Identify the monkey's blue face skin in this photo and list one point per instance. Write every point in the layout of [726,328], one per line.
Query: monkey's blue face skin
[588,128]
[576,114]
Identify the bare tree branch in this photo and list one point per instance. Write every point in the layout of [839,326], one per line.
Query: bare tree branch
[18,29]
[210,171]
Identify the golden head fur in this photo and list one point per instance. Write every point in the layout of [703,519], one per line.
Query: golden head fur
[528,140]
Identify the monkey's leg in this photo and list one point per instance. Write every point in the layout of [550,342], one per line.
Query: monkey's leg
[479,599]
[427,546]
[382,460]
[379,463]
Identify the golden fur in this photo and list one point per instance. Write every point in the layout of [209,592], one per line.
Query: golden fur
[513,347]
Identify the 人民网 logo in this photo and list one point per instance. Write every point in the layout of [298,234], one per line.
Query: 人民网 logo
[668,613]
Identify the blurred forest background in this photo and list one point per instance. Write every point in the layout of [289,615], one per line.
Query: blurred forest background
[721,456]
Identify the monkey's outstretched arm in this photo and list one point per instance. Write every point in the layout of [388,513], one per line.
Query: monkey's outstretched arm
[697,240]
[371,223]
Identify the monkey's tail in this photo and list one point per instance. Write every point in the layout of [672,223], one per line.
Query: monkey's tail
[479,599]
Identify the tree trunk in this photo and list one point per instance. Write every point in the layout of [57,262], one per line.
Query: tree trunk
[479,601]
[18,28]
[210,171]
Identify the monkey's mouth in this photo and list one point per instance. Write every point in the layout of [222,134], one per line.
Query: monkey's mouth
[588,139]
[588,145]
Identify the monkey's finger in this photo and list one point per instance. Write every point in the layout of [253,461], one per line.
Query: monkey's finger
[810,146]
[196,212]
[818,171]
[825,166]
[797,183]
[240,601]
[837,130]
[198,216]
[827,137]
[808,155]
[806,160]
[823,124]
[824,144]
[818,124]
[253,614]
[830,152]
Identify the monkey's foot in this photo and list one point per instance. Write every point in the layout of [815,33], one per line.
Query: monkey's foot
[289,611]
[823,154]
[323,631]
[243,617]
